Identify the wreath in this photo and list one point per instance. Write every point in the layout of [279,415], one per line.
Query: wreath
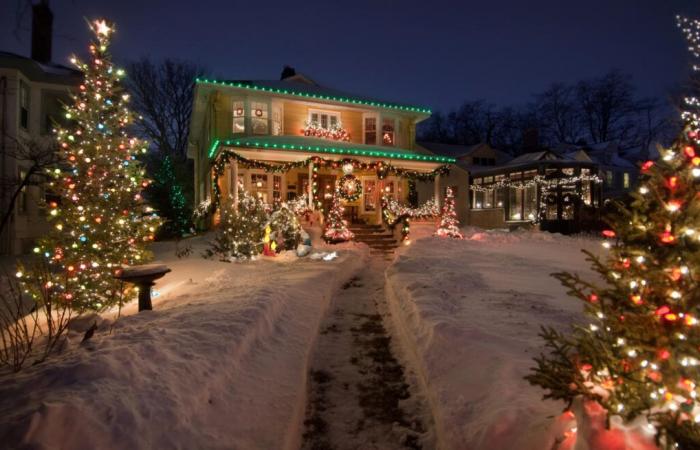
[349,187]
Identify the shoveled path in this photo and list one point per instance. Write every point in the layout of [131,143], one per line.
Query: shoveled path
[360,395]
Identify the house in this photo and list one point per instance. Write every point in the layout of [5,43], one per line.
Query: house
[469,156]
[32,92]
[283,139]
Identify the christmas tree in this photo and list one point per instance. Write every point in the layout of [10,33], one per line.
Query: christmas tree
[100,222]
[336,229]
[241,230]
[168,198]
[285,227]
[639,356]
[449,225]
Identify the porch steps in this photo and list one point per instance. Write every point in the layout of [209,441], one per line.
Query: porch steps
[379,240]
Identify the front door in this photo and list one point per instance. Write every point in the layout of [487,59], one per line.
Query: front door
[326,187]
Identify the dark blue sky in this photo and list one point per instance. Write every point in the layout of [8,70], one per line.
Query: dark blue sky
[431,52]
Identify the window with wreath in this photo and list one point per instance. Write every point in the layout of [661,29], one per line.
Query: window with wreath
[388,132]
[238,116]
[258,117]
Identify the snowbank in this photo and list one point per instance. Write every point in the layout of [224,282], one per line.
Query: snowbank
[467,313]
[220,363]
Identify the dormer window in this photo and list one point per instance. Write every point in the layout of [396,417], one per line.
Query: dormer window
[324,119]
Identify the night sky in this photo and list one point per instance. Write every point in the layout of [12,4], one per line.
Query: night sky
[430,53]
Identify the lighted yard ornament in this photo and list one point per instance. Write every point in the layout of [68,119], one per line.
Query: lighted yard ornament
[101,222]
[269,246]
[639,356]
[449,225]
[336,229]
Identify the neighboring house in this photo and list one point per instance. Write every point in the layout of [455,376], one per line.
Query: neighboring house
[32,91]
[469,156]
[286,138]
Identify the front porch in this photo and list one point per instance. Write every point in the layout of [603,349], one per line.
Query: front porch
[279,172]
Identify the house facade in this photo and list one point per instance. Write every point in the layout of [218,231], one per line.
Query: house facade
[284,139]
[32,92]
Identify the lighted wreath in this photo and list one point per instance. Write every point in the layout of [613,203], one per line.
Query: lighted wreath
[349,187]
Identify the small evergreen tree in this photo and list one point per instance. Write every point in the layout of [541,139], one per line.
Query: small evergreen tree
[284,223]
[449,225]
[101,221]
[240,232]
[168,197]
[336,229]
[640,355]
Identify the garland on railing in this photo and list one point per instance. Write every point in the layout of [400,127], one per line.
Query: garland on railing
[335,132]
[382,169]
[394,212]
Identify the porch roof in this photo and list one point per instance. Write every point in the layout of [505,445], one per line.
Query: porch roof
[313,145]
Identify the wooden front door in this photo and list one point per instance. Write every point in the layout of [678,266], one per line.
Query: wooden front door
[326,187]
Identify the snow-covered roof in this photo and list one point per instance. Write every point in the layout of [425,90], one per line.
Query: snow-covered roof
[315,145]
[294,86]
[40,72]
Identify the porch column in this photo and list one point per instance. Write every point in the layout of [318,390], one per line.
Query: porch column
[234,184]
[436,184]
[310,187]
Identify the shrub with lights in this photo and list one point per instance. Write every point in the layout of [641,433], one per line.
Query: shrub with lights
[241,230]
[449,224]
[285,227]
[101,222]
[639,356]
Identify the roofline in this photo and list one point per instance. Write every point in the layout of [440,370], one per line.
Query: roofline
[531,165]
[328,150]
[291,92]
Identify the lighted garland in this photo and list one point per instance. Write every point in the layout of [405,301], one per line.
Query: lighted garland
[349,187]
[335,132]
[382,169]
[537,180]
[394,213]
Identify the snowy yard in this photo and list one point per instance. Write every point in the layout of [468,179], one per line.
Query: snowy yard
[467,314]
[223,360]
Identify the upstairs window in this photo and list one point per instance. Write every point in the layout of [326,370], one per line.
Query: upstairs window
[238,116]
[23,105]
[609,178]
[324,119]
[259,116]
[388,132]
[626,180]
[371,130]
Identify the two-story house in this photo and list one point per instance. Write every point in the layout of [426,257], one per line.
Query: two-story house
[32,93]
[286,138]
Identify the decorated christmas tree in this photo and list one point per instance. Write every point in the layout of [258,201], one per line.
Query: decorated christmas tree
[100,222]
[285,227]
[336,229]
[240,232]
[449,225]
[639,356]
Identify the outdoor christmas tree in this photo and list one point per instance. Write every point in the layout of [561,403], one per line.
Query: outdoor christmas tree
[168,198]
[336,229]
[285,225]
[100,222]
[449,225]
[640,354]
[241,230]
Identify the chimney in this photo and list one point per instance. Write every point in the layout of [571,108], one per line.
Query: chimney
[531,140]
[287,72]
[42,28]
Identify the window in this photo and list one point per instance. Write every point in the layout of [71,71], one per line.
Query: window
[23,105]
[238,117]
[371,130]
[324,119]
[530,203]
[387,132]
[609,178]
[500,197]
[258,186]
[368,195]
[276,189]
[516,204]
[626,180]
[259,116]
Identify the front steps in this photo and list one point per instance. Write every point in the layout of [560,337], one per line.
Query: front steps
[379,240]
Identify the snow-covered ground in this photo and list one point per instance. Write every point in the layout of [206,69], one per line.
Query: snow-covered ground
[220,363]
[468,313]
